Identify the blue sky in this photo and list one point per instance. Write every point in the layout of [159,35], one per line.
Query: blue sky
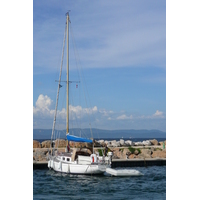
[121,48]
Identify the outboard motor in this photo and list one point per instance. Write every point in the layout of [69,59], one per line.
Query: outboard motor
[110,154]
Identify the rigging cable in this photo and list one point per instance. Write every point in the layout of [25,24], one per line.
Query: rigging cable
[80,70]
[58,88]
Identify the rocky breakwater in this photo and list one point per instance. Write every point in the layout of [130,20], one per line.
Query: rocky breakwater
[121,149]
[41,150]
[129,150]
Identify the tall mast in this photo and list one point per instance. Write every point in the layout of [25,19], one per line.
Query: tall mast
[67,105]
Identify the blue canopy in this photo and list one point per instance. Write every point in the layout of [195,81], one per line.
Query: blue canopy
[77,139]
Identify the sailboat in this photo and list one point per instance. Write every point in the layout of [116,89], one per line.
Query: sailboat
[75,161]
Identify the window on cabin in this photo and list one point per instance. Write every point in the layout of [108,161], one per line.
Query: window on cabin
[63,158]
[68,159]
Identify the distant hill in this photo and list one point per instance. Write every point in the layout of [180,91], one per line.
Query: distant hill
[99,133]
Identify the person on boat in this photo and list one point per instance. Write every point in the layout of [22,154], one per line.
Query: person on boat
[105,150]
[68,148]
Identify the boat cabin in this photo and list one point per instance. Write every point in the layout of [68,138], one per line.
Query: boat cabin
[75,155]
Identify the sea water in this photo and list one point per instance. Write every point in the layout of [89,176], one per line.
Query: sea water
[48,184]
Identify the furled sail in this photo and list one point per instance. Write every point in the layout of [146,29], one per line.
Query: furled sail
[77,139]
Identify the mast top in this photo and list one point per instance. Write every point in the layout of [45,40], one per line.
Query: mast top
[67,12]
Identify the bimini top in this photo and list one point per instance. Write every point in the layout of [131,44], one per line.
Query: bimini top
[77,139]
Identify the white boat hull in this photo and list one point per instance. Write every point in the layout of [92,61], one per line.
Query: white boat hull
[74,168]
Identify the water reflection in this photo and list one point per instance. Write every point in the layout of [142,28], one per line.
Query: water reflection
[47,183]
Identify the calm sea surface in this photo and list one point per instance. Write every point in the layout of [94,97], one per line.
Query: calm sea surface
[48,184]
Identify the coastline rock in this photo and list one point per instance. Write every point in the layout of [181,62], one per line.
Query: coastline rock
[109,145]
[103,144]
[80,145]
[161,143]
[115,144]
[129,142]
[60,143]
[36,144]
[146,143]
[157,149]
[132,156]
[100,141]
[46,144]
[144,156]
[136,152]
[119,153]
[126,152]
[139,144]
[153,149]
[145,153]
[159,154]
[40,155]
[154,142]
[121,142]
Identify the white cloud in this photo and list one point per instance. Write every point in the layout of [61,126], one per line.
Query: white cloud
[79,112]
[43,105]
[106,112]
[43,102]
[43,114]
[124,117]
[158,114]
[43,108]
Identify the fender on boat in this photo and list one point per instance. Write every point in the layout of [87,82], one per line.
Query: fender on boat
[93,158]
[49,164]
